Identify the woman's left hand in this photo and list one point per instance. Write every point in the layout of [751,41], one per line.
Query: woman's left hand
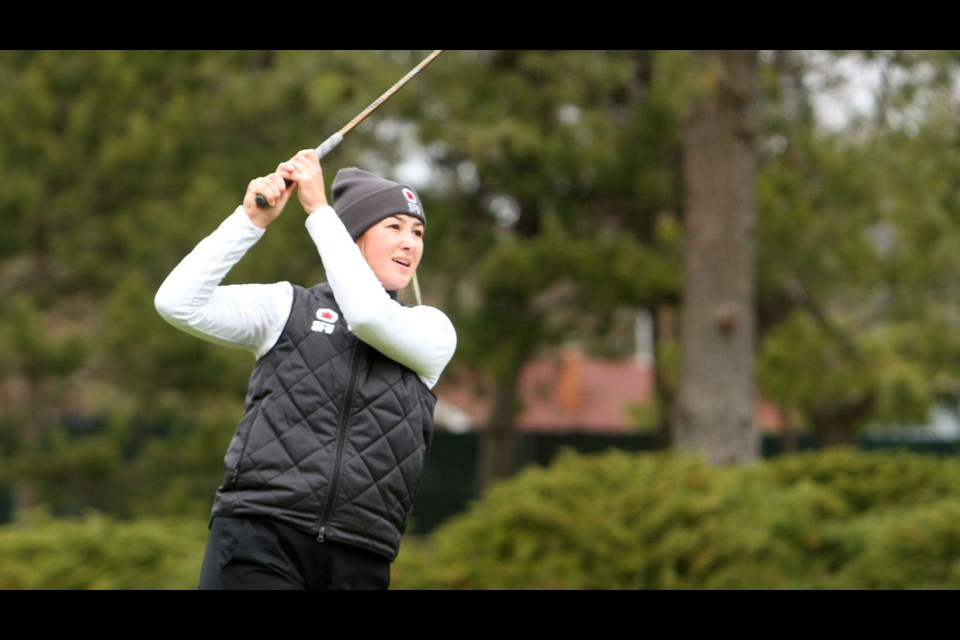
[304,169]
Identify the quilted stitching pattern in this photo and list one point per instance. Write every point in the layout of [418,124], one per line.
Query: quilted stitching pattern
[286,445]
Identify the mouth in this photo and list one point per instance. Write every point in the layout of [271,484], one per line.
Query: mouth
[404,262]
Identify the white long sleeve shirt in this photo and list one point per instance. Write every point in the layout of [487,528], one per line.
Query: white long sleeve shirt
[252,316]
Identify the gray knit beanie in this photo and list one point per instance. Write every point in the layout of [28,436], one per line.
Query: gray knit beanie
[362,199]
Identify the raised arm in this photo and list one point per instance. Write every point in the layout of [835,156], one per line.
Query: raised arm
[421,338]
[249,316]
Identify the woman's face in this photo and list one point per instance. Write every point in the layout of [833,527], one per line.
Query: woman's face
[393,248]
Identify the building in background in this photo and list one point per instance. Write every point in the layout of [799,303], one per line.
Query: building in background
[569,391]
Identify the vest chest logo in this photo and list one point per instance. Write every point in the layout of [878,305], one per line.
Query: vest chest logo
[326,321]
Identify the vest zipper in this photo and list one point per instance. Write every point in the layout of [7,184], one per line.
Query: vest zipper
[341,441]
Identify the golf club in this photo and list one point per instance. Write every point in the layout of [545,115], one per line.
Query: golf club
[336,138]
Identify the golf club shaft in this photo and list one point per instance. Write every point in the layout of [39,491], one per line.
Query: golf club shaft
[327,145]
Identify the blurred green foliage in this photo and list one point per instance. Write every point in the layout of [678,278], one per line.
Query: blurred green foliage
[837,519]
[98,552]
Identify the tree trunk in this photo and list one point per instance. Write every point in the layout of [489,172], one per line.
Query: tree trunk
[837,423]
[24,491]
[500,442]
[665,334]
[714,412]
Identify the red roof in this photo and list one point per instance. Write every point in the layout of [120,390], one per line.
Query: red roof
[567,392]
[570,392]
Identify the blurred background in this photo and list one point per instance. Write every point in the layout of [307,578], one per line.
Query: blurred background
[728,269]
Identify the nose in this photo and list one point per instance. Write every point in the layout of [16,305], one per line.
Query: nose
[408,240]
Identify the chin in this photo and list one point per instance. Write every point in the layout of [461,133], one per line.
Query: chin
[395,285]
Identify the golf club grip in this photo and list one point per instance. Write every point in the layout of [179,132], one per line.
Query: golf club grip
[325,148]
[262,201]
[328,145]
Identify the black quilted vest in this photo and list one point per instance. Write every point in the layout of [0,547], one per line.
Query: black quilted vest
[334,434]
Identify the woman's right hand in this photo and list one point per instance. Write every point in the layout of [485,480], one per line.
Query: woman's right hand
[274,189]
[304,169]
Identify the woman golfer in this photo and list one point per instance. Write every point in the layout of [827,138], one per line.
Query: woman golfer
[322,471]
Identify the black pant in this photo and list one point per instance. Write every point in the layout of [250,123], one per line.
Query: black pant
[259,553]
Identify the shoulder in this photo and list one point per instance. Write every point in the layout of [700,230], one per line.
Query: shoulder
[437,325]
[310,299]
[319,290]
[427,313]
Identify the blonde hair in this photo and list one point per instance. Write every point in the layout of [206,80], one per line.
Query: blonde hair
[416,288]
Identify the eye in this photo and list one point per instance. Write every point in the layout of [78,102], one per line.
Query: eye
[418,233]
